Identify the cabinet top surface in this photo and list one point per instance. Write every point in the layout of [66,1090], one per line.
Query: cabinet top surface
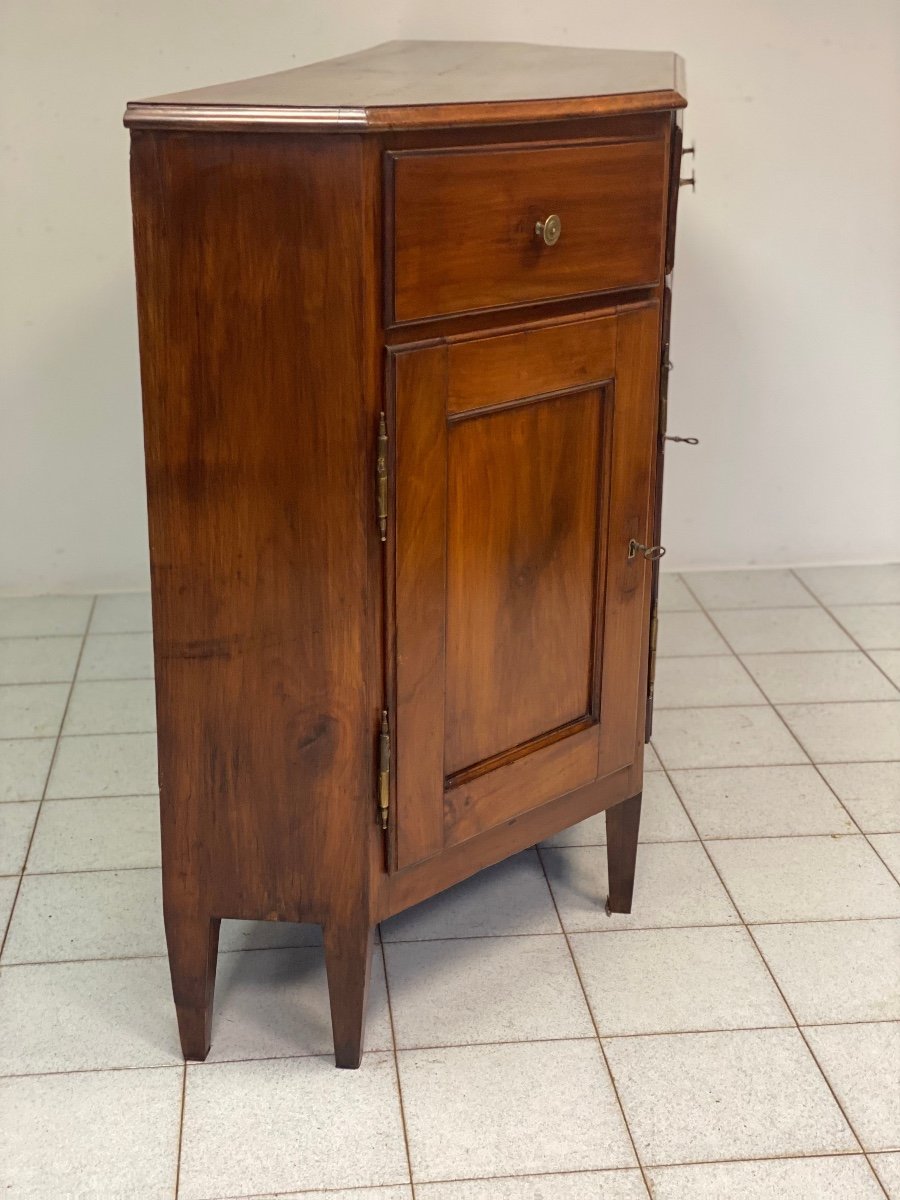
[418,83]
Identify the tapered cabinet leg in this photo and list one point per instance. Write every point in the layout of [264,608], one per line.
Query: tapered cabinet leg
[348,962]
[622,824]
[193,947]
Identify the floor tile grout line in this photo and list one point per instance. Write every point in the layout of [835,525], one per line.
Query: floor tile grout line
[110,958]
[784,1000]
[815,765]
[831,835]
[763,958]
[828,608]
[773,1158]
[43,796]
[10,683]
[403,1125]
[68,737]
[180,1129]
[593,1020]
[822,1072]
[363,1187]
[176,1062]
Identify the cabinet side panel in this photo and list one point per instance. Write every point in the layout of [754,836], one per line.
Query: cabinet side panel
[250,254]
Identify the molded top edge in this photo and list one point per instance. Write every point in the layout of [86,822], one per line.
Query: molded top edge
[417,83]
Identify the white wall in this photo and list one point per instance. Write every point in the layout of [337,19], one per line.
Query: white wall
[788,280]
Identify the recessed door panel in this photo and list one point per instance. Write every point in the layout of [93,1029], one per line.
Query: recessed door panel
[522,516]
[517,620]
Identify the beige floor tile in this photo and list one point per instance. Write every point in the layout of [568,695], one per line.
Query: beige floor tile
[274,1003]
[778,630]
[290,1124]
[24,765]
[674,596]
[32,709]
[398,1192]
[887,1167]
[117,656]
[663,819]
[723,737]
[845,1177]
[705,682]
[695,1097]
[115,764]
[87,1016]
[864,732]
[511,897]
[514,1109]
[39,659]
[690,633]
[676,980]
[674,885]
[871,792]
[93,1134]
[887,845]
[651,760]
[749,589]
[463,991]
[104,834]
[9,885]
[854,584]
[122,612]
[112,706]
[266,935]
[737,802]
[806,878]
[100,914]
[836,971]
[585,1185]
[889,662]
[862,1064]
[37,616]
[823,676]
[16,824]
[874,626]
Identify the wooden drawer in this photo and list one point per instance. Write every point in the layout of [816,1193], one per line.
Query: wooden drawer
[461,230]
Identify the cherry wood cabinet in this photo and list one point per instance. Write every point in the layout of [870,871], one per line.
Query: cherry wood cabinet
[402,324]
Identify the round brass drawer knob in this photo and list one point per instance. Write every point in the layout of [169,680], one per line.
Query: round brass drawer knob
[549,229]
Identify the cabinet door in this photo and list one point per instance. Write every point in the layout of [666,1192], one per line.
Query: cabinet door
[522,466]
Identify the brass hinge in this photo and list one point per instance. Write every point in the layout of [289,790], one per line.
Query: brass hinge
[381,478]
[654,631]
[384,770]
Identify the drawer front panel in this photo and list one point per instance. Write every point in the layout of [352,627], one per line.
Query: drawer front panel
[463,235]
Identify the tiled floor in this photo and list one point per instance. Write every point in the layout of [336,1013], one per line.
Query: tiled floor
[737,1036]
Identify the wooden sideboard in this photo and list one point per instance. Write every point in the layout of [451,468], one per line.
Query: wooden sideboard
[403,328]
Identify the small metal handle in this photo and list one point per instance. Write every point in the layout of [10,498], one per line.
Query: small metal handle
[549,229]
[649,552]
[692,178]
[687,441]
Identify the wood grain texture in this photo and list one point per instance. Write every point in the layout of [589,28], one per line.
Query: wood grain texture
[501,624]
[417,410]
[464,224]
[522,511]
[259,511]
[622,829]
[458,862]
[428,83]
[487,371]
